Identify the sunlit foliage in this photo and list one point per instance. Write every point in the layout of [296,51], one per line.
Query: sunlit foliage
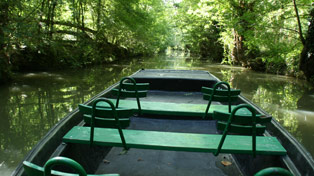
[259,34]
[45,34]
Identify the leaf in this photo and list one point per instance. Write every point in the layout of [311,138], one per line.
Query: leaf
[140,159]
[106,161]
[124,152]
[226,163]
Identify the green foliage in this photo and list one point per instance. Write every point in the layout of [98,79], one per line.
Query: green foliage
[45,34]
[200,33]
[258,34]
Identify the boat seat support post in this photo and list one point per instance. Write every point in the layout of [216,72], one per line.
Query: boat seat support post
[115,117]
[252,110]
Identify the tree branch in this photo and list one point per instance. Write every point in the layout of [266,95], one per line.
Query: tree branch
[299,23]
[64,23]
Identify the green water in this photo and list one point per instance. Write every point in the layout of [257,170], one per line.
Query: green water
[31,105]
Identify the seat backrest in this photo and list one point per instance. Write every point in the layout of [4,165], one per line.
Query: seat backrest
[241,124]
[35,170]
[137,86]
[131,90]
[115,116]
[222,95]
[249,128]
[273,171]
[104,116]
[129,94]
[105,112]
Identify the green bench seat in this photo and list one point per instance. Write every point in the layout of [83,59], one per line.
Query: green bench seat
[175,141]
[177,109]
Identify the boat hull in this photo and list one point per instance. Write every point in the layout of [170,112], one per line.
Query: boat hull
[169,82]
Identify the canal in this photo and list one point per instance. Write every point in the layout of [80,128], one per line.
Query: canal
[36,101]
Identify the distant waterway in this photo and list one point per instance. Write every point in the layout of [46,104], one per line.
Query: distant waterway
[36,101]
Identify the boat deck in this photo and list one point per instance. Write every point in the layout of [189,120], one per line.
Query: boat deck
[160,162]
[175,97]
[173,74]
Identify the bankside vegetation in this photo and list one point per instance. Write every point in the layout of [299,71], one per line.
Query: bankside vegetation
[275,36]
[45,34]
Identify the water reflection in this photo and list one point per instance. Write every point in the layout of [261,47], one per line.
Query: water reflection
[37,101]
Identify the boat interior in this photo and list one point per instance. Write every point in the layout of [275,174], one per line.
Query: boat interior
[180,110]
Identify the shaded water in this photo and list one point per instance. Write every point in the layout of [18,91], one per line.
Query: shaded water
[31,105]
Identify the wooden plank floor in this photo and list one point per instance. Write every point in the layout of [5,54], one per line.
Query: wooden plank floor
[175,141]
[178,109]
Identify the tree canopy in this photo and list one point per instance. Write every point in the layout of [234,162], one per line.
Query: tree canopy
[265,35]
[261,34]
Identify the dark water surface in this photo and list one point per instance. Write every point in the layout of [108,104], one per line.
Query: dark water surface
[31,105]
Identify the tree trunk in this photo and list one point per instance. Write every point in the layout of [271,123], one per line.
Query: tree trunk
[299,23]
[239,50]
[98,15]
[4,19]
[82,6]
[4,58]
[48,15]
[307,55]
[54,4]
[41,17]
[238,53]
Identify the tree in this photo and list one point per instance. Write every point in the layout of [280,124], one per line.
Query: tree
[5,73]
[259,34]
[45,34]
[307,55]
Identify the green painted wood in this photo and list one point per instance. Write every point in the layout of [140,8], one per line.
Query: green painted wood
[129,94]
[240,123]
[139,86]
[271,171]
[35,170]
[175,141]
[220,98]
[177,109]
[229,125]
[106,112]
[217,95]
[107,122]
[241,129]
[240,119]
[220,92]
